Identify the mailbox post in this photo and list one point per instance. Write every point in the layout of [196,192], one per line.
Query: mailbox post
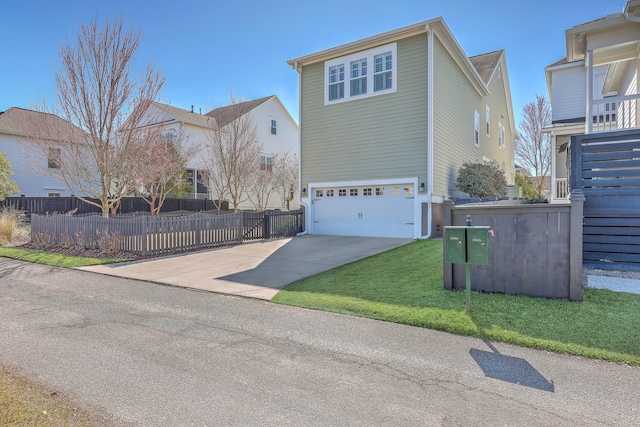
[466,245]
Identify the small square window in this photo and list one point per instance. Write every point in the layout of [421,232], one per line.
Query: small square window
[353,191]
[366,191]
[319,193]
[342,192]
[380,191]
[329,193]
[407,191]
[54,195]
[273,127]
[395,191]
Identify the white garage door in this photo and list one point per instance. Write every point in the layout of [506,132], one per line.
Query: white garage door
[383,210]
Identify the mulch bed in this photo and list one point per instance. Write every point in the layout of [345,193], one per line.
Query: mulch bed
[87,253]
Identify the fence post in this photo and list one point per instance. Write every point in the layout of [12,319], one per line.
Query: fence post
[240,225]
[266,226]
[576,293]
[447,269]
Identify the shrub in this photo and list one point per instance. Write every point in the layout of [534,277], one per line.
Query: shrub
[13,226]
[529,190]
[482,180]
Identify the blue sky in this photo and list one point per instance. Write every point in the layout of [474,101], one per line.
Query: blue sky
[209,49]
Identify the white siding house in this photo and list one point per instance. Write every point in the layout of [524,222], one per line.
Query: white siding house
[25,163]
[594,88]
[277,132]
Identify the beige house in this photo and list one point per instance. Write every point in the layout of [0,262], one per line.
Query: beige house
[387,121]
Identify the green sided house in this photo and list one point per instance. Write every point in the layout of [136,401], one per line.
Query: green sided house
[387,121]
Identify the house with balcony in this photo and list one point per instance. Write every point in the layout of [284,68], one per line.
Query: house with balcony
[595,131]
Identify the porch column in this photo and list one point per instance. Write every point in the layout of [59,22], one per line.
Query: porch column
[589,116]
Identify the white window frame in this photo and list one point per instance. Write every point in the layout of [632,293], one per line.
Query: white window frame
[500,135]
[274,129]
[488,119]
[476,128]
[266,163]
[368,56]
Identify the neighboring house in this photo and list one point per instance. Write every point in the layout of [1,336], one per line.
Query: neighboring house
[25,162]
[595,131]
[277,132]
[387,121]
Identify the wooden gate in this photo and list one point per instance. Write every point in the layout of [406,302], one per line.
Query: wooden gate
[606,166]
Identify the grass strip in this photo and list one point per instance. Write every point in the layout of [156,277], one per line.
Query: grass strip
[405,286]
[52,258]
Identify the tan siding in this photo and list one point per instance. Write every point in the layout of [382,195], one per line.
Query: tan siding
[455,101]
[378,137]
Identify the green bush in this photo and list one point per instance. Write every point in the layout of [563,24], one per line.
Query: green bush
[482,180]
[529,191]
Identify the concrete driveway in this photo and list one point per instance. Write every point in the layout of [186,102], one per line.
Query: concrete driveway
[257,270]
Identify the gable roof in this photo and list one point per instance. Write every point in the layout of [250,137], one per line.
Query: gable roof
[186,116]
[437,25]
[486,64]
[17,121]
[225,115]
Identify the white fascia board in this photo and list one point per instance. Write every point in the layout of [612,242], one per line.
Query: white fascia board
[362,44]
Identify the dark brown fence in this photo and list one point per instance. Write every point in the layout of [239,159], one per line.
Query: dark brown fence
[161,234]
[51,205]
[536,249]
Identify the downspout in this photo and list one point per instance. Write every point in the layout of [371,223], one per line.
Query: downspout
[430,36]
[307,209]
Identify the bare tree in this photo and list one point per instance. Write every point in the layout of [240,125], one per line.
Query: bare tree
[262,184]
[533,147]
[163,170]
[285,177]
[97,92]
[232,153]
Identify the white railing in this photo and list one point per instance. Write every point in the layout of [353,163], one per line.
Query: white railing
[561,189]
[614,113]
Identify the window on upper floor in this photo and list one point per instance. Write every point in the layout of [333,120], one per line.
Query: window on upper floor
[273,127]
[476,128]
[500,135]
[488,120]
[368,73]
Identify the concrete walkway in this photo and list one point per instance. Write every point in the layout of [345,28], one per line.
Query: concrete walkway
[257,270]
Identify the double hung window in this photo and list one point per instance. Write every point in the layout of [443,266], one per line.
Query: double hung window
[362,74]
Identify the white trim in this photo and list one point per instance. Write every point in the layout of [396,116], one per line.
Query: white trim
[369,56]
[476,128]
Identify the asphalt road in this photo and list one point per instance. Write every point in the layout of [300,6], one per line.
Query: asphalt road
[153,355]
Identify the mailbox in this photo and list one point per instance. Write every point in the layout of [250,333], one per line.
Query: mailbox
[478,245]
[455,245]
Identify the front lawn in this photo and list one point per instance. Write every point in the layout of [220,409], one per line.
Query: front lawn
[404,285]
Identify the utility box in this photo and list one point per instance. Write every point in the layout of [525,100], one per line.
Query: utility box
[455,245]
[468,244]
[478,245]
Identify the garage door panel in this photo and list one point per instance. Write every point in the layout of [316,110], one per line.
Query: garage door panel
[374,214]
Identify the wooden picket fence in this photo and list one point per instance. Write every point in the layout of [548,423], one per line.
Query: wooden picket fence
[155,235]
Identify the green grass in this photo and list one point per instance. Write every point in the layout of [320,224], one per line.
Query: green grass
[52,258]
[405,286]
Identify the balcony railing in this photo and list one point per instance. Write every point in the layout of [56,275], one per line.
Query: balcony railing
[561,189]
[614,113]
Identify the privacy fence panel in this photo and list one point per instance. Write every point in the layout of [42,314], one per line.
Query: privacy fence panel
[606,167]
[532,250]
[162,234]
